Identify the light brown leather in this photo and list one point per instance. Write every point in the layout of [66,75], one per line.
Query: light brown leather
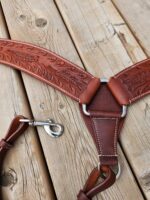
[132,83]
[49,68]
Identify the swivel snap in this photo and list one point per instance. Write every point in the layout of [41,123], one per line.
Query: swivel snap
[51,128]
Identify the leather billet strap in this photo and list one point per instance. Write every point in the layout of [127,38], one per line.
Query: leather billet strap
[104,101]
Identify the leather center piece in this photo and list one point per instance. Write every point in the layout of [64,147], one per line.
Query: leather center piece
[104,102]
[104,124]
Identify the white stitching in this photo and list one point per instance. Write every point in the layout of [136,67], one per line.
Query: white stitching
[135,98]
[115,135]
[116,155]
[98,139]
[49,51]
[131,67]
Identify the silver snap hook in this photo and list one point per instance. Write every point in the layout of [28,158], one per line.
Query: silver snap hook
[54,129]
[51,128]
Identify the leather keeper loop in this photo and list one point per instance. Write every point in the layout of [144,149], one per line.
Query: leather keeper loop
[90,91]
[119,92]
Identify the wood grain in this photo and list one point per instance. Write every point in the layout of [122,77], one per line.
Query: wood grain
[24,172]
[71,157]
[107,44]
[137,17]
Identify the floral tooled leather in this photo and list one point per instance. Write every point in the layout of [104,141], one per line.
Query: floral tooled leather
[46,66]
[132,83]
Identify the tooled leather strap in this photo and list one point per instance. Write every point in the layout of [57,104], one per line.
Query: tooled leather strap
[49,68]
[104,122]
[132,83]
[15,130]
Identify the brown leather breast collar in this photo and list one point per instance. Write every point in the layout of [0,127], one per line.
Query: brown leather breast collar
[103,103]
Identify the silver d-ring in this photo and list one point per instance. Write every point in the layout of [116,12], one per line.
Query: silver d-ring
[123,114]
[124,107]
[118,173]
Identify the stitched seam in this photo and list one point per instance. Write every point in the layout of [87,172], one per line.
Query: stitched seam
[115,136]
[50,83]
[60,57]
[116,155]
[99,141]
[131,67]
[48,51]
[135,98]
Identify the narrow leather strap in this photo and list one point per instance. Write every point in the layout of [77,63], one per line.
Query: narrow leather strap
[91,188]
[15,130]
[49,68]
[132,83]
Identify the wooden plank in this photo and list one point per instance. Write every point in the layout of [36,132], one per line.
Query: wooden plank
[137,17]
[73,155]
[105,43]
[24,172]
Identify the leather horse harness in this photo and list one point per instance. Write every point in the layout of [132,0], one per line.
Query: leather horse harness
[103,103]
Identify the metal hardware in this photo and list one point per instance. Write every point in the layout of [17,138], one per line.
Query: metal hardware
[124,108]
[104,80]
[124,111]
[117,172]
[52,129]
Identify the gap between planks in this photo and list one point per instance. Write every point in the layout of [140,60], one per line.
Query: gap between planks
[4,32]
[23,37]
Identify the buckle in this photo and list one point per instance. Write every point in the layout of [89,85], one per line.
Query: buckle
[124,107]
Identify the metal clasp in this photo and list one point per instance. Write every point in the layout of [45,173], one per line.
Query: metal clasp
[51,128]
[124,107]
[116,169]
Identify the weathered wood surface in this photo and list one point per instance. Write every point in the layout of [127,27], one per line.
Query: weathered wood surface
[24,172]
[137,16]
[105,46]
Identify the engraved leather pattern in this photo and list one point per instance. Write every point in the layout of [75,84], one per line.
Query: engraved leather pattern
[46,66]
[134,82]
[104,122]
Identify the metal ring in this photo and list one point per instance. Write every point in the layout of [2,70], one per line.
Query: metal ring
[118,171]
[124,107]
[123,114]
